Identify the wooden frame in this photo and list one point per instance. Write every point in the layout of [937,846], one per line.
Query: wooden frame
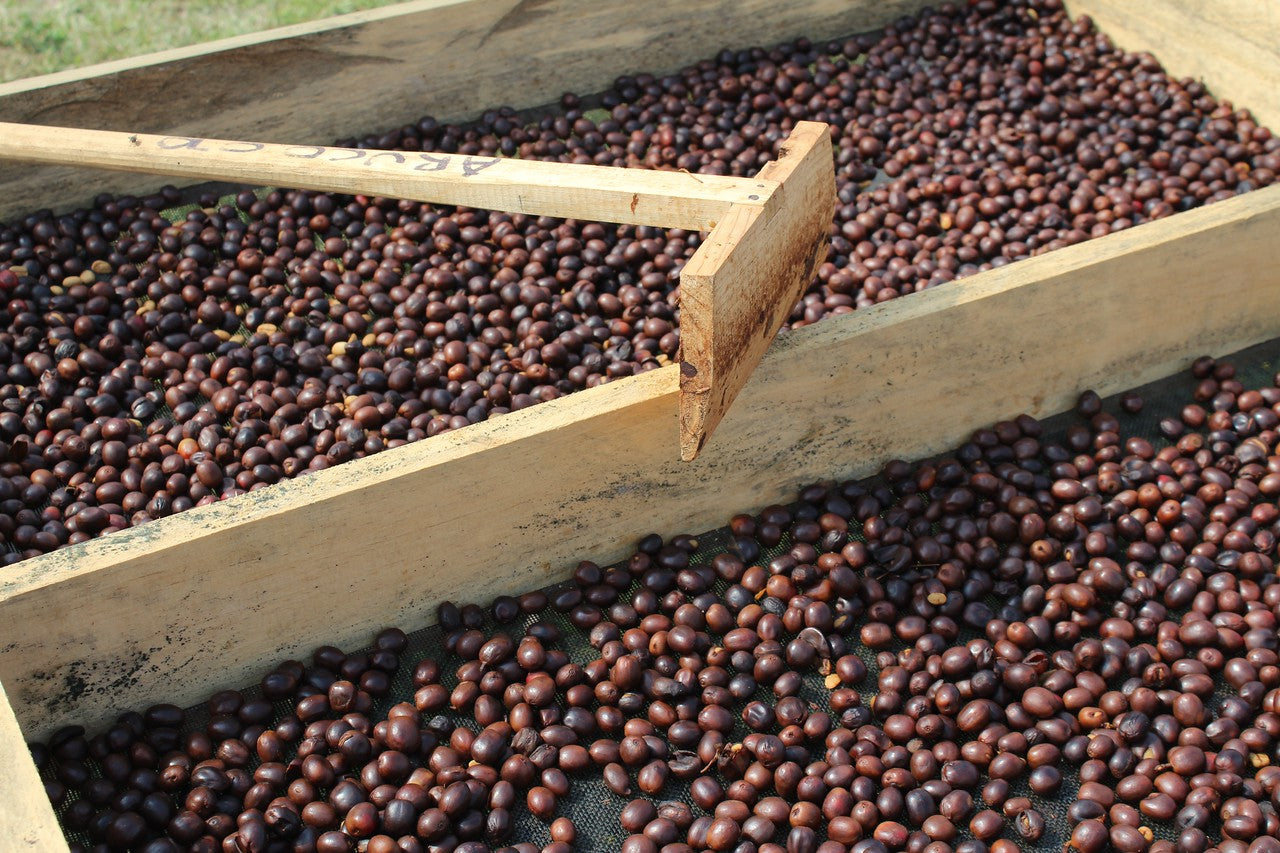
[189,602]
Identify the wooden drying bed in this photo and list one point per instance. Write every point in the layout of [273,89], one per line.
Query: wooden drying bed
[186,605]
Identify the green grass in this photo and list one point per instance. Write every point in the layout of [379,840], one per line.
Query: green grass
[42,36]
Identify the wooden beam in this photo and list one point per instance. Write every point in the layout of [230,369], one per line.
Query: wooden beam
[209,598]
[27,821]
[1232,46]
[741,284]
[383,68]
[610,194]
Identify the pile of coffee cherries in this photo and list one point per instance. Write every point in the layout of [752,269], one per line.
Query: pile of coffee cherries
[150,366]
[1073,639]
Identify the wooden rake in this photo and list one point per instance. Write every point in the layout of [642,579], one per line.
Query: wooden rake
[768,234]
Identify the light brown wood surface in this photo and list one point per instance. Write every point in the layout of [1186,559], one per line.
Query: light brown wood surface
[27,821]
[376,70]
[631,196]
[1233,46]
[211,597]
[740,286]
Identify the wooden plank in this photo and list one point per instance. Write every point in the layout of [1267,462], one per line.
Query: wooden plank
[27,821]
[388,67]
[209,598]
[1232,46]
[609,194]
[741,284]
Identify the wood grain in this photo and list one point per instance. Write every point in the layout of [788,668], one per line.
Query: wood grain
[1233,46]
[741,284]
[27,822]
[387,67]
[607,194]
[212,597]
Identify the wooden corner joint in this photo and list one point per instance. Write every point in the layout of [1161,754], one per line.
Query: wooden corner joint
[740,286]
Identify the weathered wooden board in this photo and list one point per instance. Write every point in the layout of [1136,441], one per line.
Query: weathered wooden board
[764,248]
[383,68]
[1233,46]
[27,822]
[604,193]
[208,598]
